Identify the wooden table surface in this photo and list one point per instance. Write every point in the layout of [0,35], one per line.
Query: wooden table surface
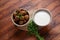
[9,32]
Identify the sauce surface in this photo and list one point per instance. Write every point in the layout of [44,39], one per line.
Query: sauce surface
[42,18]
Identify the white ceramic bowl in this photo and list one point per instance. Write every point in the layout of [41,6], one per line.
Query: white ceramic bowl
[23,24]
[46,10]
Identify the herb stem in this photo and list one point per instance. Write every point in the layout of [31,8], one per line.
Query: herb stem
[32,28]
[39,37]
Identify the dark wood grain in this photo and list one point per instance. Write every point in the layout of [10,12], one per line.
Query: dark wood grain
[10,32]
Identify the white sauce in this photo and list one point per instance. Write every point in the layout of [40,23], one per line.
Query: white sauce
[42,18]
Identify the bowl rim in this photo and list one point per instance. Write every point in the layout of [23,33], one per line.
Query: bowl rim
[46,10]
[18,24]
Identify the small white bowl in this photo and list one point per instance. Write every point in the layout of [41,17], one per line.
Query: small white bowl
[23,24]
[46,10]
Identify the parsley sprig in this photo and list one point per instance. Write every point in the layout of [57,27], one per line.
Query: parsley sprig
[33,29]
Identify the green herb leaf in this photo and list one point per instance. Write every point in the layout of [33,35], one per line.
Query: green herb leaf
[33,29]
